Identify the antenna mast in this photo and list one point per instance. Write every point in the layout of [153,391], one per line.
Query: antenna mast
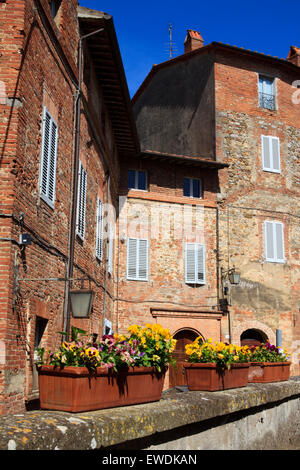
[170,40]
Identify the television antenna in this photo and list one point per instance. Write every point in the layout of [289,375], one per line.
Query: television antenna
[171,44]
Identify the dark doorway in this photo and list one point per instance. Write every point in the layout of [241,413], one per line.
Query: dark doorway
[176,375]
[253,337]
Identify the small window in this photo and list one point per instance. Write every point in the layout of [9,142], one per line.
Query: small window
[270,153]
[99,230]
[107,327]
[274,241]
[137,179]
[194,263]
[81,203]
[267,95]
[192,187]
[48,159]
[137,259]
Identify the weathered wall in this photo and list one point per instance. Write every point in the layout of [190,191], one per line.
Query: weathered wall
[174,102]
[259,416]
[168,219]
[268,295]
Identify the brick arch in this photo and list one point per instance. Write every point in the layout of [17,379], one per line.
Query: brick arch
[252,325]
[183,329]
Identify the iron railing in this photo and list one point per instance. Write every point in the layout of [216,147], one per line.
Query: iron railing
[267,101]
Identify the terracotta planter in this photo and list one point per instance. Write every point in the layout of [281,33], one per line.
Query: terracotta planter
[262,372]
[208,376]
[76,389]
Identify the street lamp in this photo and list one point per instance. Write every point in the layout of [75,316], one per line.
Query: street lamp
[81,302]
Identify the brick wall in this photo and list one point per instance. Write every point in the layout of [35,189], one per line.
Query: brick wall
[267,297]
[41,71]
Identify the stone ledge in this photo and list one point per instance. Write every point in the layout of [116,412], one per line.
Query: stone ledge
[102,429]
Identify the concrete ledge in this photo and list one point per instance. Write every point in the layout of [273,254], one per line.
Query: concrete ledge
[133,426]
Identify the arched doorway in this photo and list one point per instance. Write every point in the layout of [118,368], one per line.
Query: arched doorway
[176,374]
[253,337]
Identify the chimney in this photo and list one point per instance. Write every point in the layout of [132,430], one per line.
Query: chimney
[192,41]
[294,55]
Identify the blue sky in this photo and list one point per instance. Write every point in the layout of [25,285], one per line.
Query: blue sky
[143,28]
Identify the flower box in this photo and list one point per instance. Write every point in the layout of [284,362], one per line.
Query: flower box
[76,389]
[263,372]
[212,377]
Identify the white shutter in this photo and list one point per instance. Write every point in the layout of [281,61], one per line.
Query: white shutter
[270,153]
[269,241]
[194,263]
[99,230]
[190,263]
[274,242]
[81,202]
[279,242]
[201,264]
[132,258]
[137,259]
[49,157]
[143,260]
[275,154]
[266,152]
[110,249]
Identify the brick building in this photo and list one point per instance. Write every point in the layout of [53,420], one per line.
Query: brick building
[152,221]
[232,106]
[63,129]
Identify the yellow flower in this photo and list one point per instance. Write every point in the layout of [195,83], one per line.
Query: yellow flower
[155,357]
[235,358]
[221,356]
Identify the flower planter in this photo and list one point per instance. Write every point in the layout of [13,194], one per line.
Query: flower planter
[263,372]
[75,389]
[210,377]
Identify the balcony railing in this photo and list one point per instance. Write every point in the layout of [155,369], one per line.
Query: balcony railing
[267,101]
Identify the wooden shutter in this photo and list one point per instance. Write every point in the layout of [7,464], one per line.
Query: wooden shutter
[49,157]
[270,153]
[275,154]
[142,260]
[279,241]
[269,241]
[137,259]
[132,258]
[194,263]
[200,264]
[81,203]
[99,229]
[274,241]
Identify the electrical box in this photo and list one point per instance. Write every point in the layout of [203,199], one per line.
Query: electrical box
[25,239]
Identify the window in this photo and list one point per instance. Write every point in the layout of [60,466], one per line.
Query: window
[81,202]
[137,259]
[137,179]
[274,241]
[48,159]
[270,153]
[192,187]
[107,327]
[266,88]
[99,229]
[194,263]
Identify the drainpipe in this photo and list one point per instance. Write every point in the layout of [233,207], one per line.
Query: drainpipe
[72,233]
[106,256]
